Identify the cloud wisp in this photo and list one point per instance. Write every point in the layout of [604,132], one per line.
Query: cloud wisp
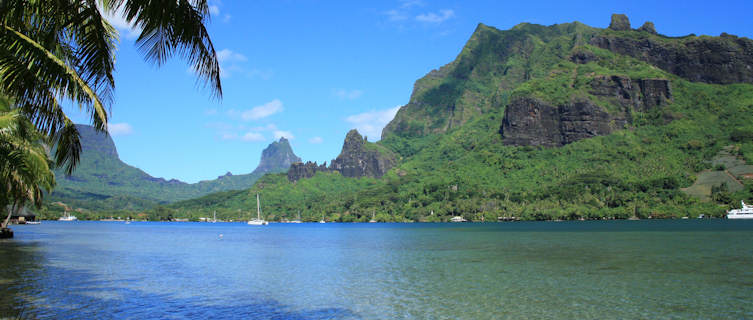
[371,123]
[344,94]
[436,17]
[119,129]
[316,140]
[262,111]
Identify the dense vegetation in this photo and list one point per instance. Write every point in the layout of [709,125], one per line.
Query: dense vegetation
[668,162]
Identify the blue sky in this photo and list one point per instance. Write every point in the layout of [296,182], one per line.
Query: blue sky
[312,70]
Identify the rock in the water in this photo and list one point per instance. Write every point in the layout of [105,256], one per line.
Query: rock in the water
[620,22]
[6,233]
[648,27]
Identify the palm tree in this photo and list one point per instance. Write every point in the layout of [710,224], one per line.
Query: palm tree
[25,168]
[54,52]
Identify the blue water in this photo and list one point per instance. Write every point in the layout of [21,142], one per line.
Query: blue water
[681,269]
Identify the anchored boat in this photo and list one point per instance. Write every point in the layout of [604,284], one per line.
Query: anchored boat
[746,212]
[258,221]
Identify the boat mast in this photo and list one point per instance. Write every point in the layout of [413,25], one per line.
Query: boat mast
[258,208]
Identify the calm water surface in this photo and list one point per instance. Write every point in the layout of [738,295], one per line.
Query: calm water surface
[556,270]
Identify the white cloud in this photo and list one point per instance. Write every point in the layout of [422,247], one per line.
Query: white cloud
[396,15]
[214,10]
[262,111]
[432,17]
[117,20]
[210,112]
[253,136]
[119,129]
[316,140]
[287,134]
[227,55]
[226,18]
[371,123]
[228,136]
[411,3]
[347,94]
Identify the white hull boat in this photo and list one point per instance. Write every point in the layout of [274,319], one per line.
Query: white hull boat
[746,212]
[258,221]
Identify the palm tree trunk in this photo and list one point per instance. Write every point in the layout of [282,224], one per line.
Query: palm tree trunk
[10,213]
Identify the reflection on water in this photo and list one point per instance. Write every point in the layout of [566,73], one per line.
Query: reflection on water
[591,270]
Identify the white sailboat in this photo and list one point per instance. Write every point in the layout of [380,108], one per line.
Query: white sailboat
[299,218]
[258,221]
[322,221]
[214,218]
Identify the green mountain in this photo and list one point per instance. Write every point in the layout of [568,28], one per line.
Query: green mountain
[103,182]
[548,122]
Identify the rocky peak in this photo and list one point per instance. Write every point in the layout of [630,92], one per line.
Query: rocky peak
[358,158]
[620,22]
[96,141]
[648,27]
[277,157]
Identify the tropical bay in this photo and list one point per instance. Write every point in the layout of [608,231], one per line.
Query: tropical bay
[402,159]
[690,269]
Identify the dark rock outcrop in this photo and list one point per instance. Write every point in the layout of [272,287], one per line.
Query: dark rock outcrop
[358,158]
[721,60]
[277,157]
[648,27]
[299,170]
[583,57]
[640,94]
[529,121]
[620,22]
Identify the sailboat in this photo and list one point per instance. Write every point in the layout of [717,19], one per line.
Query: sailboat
[214,219]
[372,218]
[258,221]
[322,221]
[299,218]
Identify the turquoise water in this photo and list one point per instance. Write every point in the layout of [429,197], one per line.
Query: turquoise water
[681,269]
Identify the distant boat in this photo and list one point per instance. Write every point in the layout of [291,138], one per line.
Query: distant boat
[67,217]
[258,221]
[372,218]
[214,219]
[33,222]
[746,212]
[322,221]
[299,218]
[458,219]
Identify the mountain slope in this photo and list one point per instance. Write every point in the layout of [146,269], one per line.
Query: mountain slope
[548,122]
[103,182]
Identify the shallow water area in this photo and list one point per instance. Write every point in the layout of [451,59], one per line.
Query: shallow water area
[689,269]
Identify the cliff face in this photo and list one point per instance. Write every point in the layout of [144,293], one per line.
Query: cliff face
[530,121]
[721,60]
[93,141]
[278,156]
[358,158]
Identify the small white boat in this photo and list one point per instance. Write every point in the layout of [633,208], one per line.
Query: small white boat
[372,218]
[746,212]
[458,219]
[33,222]
[67,217]
[258,221]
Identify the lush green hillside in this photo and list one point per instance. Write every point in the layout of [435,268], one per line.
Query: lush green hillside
[103,182]
[635,130]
